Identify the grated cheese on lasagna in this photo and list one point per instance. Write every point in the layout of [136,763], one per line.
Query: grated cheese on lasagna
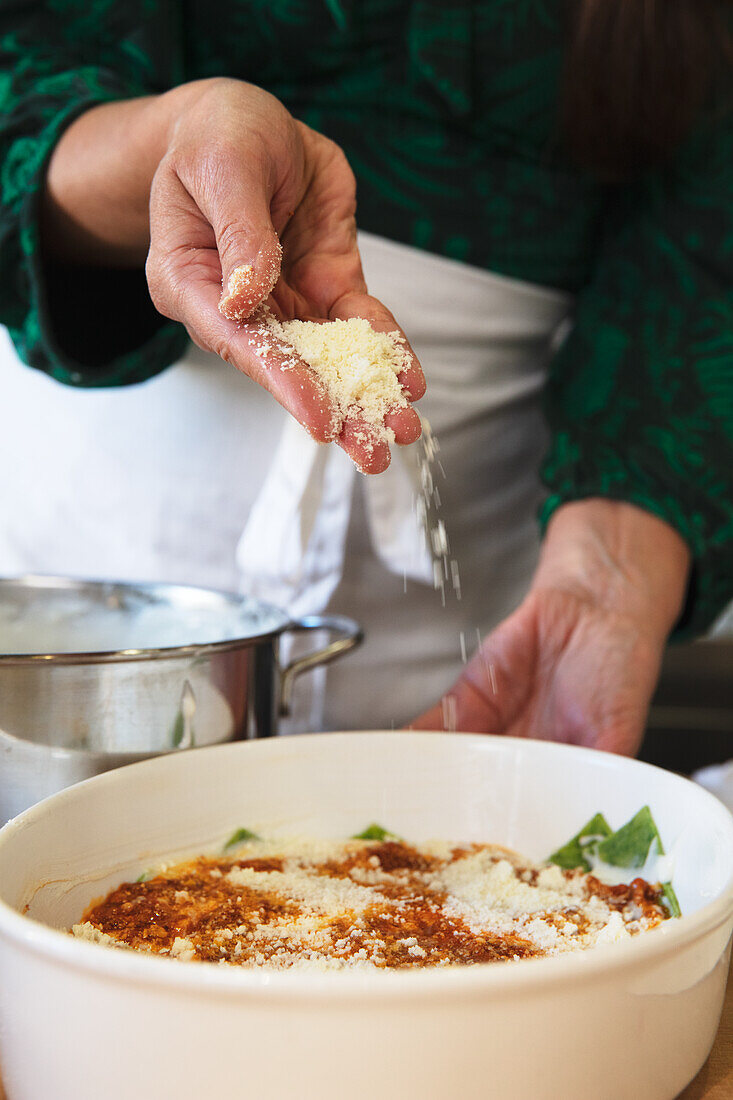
[368,904]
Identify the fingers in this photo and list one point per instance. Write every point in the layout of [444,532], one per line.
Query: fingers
[494,686]
[364,445]
[406,425]
[368,448]
[468,707]
[412,378]
[369,452]
[429,720]
[274,364]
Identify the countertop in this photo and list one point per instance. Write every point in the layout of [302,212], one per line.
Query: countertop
[713,1082]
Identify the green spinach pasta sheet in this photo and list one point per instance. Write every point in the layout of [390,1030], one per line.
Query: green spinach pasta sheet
[239,836]
[630,846]
[375,832]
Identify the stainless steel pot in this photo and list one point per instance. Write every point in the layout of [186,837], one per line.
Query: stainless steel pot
[97,674]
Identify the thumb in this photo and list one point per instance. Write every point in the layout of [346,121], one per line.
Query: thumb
[248,279]
[236,203]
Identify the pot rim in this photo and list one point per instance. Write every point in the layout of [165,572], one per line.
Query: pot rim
[152,653]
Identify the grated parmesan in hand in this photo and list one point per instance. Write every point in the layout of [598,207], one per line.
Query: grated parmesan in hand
[358,366]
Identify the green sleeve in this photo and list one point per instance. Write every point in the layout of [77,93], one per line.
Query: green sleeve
[83,327]
[640,396]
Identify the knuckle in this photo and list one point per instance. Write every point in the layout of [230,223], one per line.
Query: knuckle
[340,162]
[221,347]
[215,85]
[212,93]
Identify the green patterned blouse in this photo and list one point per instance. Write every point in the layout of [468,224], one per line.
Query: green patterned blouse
[448,115]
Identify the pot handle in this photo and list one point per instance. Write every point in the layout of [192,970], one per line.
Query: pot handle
[351,636]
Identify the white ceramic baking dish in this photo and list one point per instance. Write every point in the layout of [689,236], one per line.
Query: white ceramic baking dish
[79,1021]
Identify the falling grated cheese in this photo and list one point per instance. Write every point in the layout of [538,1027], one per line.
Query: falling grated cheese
[358,365]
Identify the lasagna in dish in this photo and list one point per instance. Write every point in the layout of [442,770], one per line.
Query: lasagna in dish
[368,904]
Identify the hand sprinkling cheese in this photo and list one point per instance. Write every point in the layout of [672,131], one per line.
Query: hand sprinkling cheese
[350,380]
[358,365]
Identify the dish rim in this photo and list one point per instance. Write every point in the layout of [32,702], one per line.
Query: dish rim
[201,979]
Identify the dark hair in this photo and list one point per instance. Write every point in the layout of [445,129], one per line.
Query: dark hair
[637,75]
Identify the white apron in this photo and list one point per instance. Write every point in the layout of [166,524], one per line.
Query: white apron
[197,476]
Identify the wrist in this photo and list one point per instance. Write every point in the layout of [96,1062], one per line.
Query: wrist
[620,557]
